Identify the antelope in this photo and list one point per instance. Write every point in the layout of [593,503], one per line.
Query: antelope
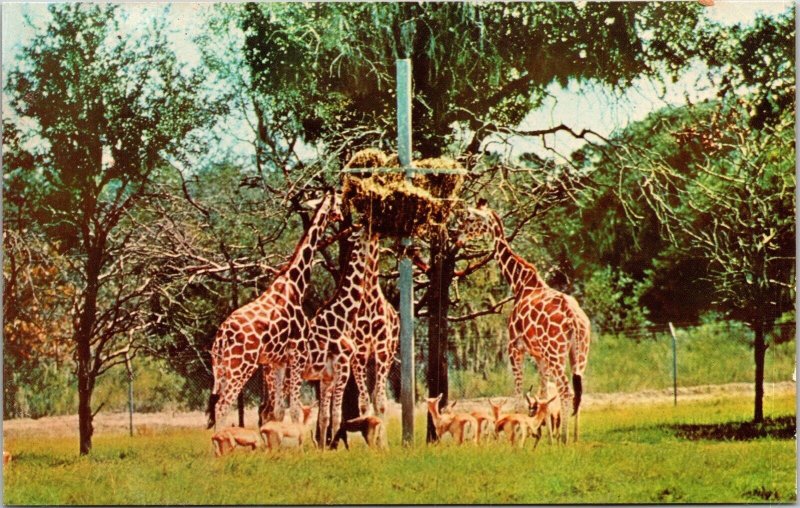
[462,426]
[516,425]
[496,414]
[229,438]
[483,419]
[371,427]
[273,433]
[6,457]
[545,413]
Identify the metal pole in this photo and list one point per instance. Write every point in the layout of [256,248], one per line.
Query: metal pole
[130,395]
[406,282]
[674,363]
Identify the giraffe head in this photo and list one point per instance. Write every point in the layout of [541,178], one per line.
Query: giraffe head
[475,222]
[330,203]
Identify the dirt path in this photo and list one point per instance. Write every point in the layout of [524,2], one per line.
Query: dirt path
[149,423]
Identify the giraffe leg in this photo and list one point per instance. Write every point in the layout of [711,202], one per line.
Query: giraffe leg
[516,355]
[382,369]
[566,398]
[266,410]
[232,387]
[278,381]
[338,396]
[544,375]
[325,393]
[294,384]
[360,374]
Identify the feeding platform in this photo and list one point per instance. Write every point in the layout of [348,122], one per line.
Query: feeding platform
[393,204]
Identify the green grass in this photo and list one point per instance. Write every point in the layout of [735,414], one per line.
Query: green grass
[626,455]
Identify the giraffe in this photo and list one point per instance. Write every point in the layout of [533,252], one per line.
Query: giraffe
[377,333]
[547,324]
[258,332]
[327,353]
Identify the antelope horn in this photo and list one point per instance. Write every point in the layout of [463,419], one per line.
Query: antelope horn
[528,398]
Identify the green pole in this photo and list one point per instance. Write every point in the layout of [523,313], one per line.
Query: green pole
[130,394]
[405,281]
[674,364]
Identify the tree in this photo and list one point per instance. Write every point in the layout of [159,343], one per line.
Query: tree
[101,113]
[323,74]
[718,178]
[737,216]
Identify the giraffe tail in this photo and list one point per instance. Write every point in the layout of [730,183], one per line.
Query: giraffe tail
[577,385]
[211,411]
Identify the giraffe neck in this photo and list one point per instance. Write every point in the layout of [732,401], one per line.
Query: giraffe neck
[351,290]
[353,287]
[519,273]
[298,270]
[371,270]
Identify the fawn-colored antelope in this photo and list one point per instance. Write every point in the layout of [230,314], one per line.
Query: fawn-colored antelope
[545,413]
[516,425]
[6,457]
[371,427]
[483,419]
[274,433]
[462,426]
[229,438]
[496,415]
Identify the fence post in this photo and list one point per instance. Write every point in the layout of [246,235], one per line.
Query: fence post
[405,282]
[130,394]
[674,364]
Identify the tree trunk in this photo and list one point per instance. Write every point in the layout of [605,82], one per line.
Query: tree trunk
[759,352]
[83,337]
[85,428]
[441,276]
[240,407]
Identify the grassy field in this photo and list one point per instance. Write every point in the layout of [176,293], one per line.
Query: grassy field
[619,364]
[698,452]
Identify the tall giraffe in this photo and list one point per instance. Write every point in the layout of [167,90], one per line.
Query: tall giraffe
[259,332]
[377,333]
[547,324]
[329,348]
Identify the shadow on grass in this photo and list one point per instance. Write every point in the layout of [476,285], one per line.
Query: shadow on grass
[782,427]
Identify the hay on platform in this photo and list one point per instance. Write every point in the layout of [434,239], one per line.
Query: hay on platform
[391,205]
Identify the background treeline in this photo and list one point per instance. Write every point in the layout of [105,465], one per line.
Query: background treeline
[145,199]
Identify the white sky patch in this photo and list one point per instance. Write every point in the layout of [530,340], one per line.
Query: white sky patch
[731,12]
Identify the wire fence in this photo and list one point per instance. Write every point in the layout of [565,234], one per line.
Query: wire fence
[643,358]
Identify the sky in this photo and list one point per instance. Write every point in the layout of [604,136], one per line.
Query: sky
[579,107]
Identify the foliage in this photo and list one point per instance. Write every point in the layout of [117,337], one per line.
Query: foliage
[482,65]
[101,113]
[612,299]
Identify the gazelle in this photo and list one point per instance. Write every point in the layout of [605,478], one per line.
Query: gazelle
[496,415]
[515,425]
[483,419]
[545,413]
[273,433]
[371,427]
[229,438]
[461,426]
